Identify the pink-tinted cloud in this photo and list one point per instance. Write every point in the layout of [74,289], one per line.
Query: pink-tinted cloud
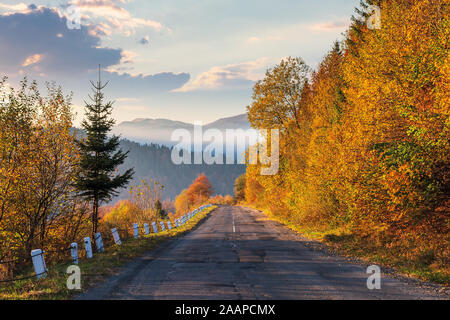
[107,16]
[229,76]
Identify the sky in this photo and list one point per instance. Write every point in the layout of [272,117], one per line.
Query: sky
[185,60]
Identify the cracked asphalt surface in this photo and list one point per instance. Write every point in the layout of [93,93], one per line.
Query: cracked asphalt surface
[237,253]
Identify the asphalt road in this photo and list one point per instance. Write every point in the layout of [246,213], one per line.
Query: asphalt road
[239,254]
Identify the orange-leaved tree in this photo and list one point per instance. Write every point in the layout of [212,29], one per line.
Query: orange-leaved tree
[200,190]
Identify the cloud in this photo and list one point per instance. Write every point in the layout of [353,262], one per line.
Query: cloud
[39,41]
[290,32]
[331,26]
[263,39]
[102,7]
[35,58]
[107,16]
[141,84]
[145,40]
[101,17]
[127,57]
[12,8]
[237,75]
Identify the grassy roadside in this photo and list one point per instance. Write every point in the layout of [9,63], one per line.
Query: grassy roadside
[348,246]
[93,270]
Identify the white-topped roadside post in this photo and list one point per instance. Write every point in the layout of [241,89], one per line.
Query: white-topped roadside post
[155,227]
[136,230]
[116,236]
[40,269]
[146,229]
[88,247]
[99,242]
[74,252]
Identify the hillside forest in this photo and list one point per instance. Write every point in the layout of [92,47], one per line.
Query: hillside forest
[364,147]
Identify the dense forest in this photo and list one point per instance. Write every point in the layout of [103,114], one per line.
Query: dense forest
[364,146]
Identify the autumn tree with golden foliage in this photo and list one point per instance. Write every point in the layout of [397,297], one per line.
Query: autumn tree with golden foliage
[199,191]
[182,203]
[38,166]
[365,138]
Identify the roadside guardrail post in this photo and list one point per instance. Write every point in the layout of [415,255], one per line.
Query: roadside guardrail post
[40,269]
[88,247]
[74,252]
[147,231]
[136,230]
[99,242]
[116,236]
[155,227]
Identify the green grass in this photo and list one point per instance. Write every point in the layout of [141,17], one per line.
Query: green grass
[93,270]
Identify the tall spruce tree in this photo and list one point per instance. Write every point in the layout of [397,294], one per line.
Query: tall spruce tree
[98,179]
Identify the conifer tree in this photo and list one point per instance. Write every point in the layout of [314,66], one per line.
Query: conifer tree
[98,179]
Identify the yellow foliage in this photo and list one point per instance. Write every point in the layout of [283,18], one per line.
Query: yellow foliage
[364,143]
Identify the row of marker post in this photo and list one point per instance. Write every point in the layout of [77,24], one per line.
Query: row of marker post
[37,255]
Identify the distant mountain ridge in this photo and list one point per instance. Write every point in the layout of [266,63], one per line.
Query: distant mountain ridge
[152,161]
[237,122]
[149,145]
[145,130]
